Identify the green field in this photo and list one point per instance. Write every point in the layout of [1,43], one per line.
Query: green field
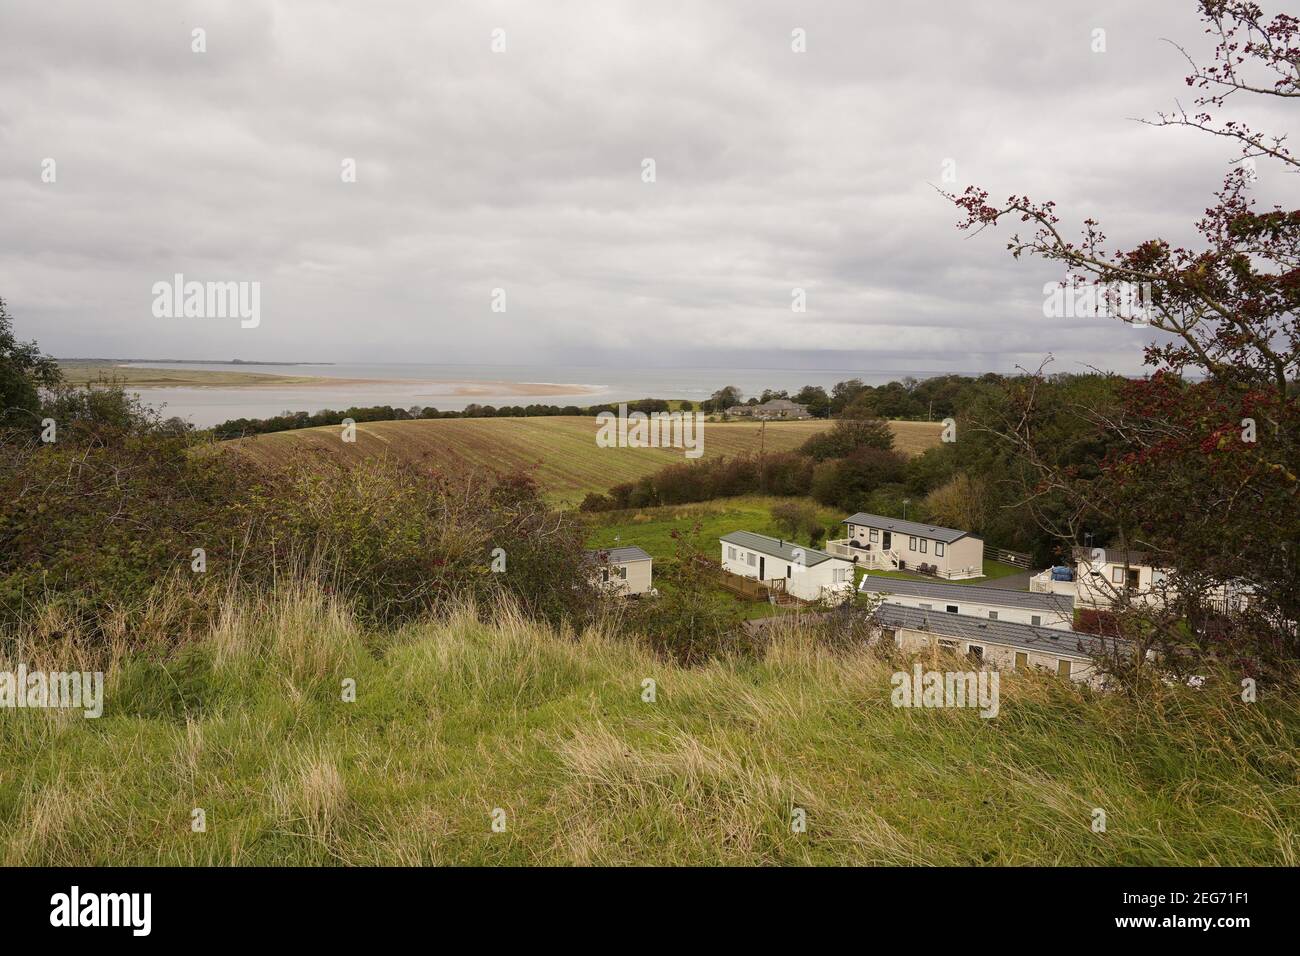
[456,719]
[992,571]
[563,449]
[653,528]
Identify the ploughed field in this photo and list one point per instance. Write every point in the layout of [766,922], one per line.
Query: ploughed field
[563,448]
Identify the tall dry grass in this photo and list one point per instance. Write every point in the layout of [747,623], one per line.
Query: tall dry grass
[483,710]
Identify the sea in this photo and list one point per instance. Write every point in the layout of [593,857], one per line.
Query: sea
[407,384]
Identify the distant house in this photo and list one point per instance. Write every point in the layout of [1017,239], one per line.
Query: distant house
[892,544]
[805,572]
[1003,644]
[1054,611]
[774,409]
[624,571]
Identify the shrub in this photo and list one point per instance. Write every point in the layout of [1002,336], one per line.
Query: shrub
[782,473]
[23,372]
[689,623]
[596,502]
[848,435]
[959,503]
[92,522]
[846,482]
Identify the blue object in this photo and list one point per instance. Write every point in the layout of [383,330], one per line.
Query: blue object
[1060,573]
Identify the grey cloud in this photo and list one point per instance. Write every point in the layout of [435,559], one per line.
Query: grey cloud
[522,170]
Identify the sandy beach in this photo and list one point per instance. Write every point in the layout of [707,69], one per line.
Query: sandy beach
[143,377]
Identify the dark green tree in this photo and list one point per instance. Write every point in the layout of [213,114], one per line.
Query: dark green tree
[24,371]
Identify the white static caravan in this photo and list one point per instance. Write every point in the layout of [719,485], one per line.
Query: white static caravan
[1106,577]
[624,571]
[805,572]
[993,604]
[999,644]
[892,544]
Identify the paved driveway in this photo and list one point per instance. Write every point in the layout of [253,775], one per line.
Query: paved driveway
[1012,582]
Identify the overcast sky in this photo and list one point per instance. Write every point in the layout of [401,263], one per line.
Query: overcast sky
[522,170]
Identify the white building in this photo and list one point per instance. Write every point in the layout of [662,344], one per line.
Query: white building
[624,571]
[1001,644]
[1106,577]
[994,604]
[892,544]
[805,572]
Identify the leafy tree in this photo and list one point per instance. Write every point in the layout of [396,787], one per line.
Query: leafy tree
[846,436]
[846,482]
[1207,477]
[816,400]
[844,392]
[959,503]
[888,500]
[722,399]
[795,518]
[24,371]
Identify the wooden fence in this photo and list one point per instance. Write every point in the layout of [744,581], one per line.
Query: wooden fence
[1017,558]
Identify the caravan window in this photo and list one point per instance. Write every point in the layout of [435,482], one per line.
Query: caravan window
[911,544]
[938,549]
[924,542]
[875,535]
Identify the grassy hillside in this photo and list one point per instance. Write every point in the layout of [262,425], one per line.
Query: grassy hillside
[456,718]
[570,462]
